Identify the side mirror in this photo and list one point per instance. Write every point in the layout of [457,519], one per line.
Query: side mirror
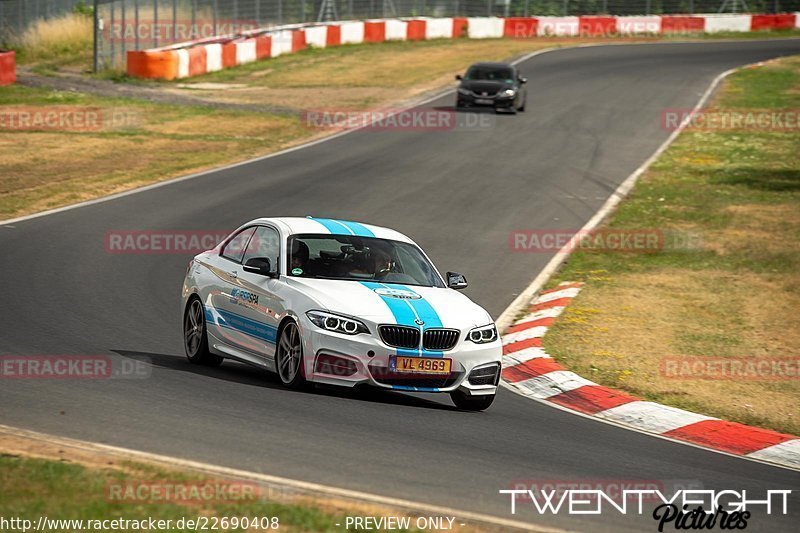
[261,266]
[523,80]
[456,281]
[458,77]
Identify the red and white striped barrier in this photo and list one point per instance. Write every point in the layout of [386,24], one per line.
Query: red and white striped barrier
[8,72]
[198,57]
[531,372]
[639,25]
[727,23]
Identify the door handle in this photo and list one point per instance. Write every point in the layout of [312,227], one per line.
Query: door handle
[233,274]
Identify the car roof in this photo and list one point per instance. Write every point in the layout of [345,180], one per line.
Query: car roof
[295,225]
[492,64]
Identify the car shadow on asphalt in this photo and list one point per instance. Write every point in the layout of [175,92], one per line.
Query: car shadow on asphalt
[243,374]
[474,110]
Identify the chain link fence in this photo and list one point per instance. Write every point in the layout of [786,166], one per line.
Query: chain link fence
[16,15]
[122,25]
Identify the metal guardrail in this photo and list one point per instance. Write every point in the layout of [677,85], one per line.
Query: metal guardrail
[137,24]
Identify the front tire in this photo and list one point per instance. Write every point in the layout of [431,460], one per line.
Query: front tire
[465,402]
[195,335]
[289,356]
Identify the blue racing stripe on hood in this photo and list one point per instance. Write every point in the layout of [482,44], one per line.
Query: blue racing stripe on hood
[406,311]
[402,312]
[424,310]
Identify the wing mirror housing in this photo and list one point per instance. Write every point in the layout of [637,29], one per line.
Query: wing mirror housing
[456,281]
[261,266]
[523,80]
[458,77]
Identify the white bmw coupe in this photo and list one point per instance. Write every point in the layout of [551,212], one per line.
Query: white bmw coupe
[342,303]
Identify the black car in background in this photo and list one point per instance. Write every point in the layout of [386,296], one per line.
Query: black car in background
[496,85]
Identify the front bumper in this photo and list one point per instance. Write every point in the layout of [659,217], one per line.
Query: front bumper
[350,360]
[497,101]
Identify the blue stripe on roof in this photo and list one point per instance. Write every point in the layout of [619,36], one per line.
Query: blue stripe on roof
[358,229]
[334,226]
[345,227]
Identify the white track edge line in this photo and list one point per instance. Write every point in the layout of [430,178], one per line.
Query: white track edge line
[303,486]
[411,103]
[524,298]
[311,143]
[620,425]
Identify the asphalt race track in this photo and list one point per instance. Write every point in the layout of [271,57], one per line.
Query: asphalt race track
[593,117]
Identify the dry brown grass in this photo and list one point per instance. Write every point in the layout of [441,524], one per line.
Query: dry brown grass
[103,466]
[736,297]
[364,76]
[618,333]
[356,77]
[43,170]
[68,37]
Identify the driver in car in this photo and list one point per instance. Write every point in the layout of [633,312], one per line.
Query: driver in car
[300,254]
[375,264]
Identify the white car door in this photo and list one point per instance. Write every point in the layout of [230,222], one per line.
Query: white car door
[224,301]
[257,293]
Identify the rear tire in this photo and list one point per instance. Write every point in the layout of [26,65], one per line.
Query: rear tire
[465,402]
[195,335]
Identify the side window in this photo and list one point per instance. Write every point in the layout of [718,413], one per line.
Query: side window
[265,244]
[234,250]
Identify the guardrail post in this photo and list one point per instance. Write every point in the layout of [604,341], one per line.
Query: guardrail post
[122,22]
[214,16]
[111,47]
[155,23]
[96,19]
[136,23]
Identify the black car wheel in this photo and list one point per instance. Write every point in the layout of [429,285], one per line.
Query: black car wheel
[289,356]
[195,336]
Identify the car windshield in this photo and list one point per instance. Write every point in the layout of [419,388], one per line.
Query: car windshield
[484,73]
[347,257]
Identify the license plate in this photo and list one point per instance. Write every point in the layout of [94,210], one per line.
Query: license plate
[483,101]
[421,365]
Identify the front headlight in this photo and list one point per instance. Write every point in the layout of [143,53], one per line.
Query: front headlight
[509,93]
[464,91]
[483,334]
[337,323]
